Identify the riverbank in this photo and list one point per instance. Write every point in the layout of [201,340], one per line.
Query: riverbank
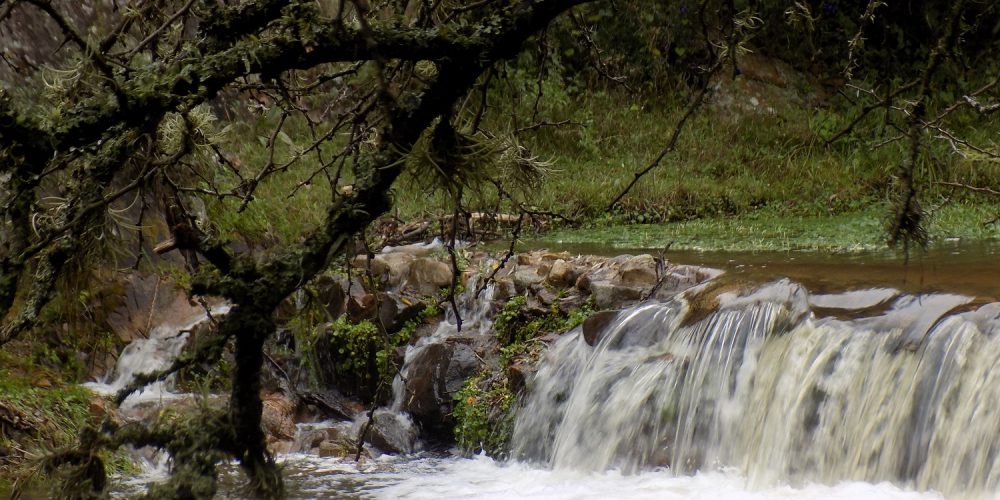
[857,232]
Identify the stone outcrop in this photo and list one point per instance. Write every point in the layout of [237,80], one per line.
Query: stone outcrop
[406,281]
[434,374]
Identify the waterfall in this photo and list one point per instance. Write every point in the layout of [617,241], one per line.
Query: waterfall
[153,353]
[784,386]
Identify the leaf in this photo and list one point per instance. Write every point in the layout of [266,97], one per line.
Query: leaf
[285,139]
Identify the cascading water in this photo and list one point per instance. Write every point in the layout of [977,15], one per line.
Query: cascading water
[761,383]
[148,355]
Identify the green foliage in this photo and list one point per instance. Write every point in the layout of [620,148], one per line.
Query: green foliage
[355,344]
[484,417]
[515,325]
[358,356]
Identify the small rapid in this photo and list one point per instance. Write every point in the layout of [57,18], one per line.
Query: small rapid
[727,389]
[764,385]
[151,354]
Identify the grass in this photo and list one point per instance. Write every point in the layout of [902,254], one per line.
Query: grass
[766,230]
[738,179]
[55,410]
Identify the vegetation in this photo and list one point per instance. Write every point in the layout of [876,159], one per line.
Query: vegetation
[484,416]
[768,229]
[484,408]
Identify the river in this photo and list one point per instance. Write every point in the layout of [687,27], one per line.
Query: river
[828,377]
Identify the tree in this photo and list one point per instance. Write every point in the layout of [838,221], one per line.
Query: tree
[124,116]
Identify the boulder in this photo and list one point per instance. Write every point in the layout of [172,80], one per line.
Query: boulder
[427,276]
[594,326]
[433,374]
[335,449]
[392,268]
[639,271]
[561,274]
[278,417]
[147,301]
[391,432]
[611,296]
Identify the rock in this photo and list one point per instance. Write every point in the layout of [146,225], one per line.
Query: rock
[610,296]
[639,271]
[463,364]
[335,449]
[331,295]
[408,308]
[392,268]
[278,416]
[562,274]
[594,326]
[545,296]
[517,376]
[427,276]
[146,301]
[524,277]
[433,374]
[569,304]
[503,290]
[379,307]
[583,283]
[312,439]
[391,432]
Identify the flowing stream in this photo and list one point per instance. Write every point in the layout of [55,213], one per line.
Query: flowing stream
[761,391]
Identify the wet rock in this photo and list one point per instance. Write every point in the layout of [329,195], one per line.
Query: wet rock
[335,449]
[679,278]
[463,364]
[433,375]
[518,374]
[503,290]
[611,296]
[391,432]
[147,301]
[596,324]
[427,276]
[639,271]
[326,403]
[562,274]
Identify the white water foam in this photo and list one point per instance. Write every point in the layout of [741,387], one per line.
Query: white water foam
[482,478]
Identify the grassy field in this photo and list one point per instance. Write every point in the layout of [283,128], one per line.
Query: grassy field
[765,230]
[739,178]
